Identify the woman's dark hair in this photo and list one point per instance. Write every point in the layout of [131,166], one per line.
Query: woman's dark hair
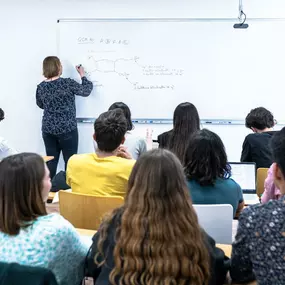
[158,238]
[206,158]
[259,118]
[126,110]
[21,183]
[186,121]
[2,115]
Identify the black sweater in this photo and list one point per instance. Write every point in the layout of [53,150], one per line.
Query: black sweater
[256,148]
[164,138]
[219,263]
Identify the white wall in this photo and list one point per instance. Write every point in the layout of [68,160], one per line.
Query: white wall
[28,34]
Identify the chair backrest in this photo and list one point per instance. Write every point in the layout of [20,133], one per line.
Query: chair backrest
[86,211]
[217,221]
[261,176]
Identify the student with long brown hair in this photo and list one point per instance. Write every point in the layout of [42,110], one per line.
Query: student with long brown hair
[28,235]
[186,122]
[154,238]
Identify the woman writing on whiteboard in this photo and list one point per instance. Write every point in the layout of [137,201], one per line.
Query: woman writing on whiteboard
[56,96]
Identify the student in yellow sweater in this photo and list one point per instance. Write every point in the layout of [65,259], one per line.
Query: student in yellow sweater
[106,172]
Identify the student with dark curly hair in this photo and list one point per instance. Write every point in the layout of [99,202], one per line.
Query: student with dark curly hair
[209,173]
[256,146]
[5,148]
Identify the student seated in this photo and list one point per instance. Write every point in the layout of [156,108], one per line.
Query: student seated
[5,148]
[155,238]
[28,235]
[258,250]
[186,121]
[209,173]
[256,146]
[135,145]
[271,192]
[106,172]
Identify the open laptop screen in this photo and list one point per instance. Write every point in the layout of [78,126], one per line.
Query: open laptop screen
[245,175]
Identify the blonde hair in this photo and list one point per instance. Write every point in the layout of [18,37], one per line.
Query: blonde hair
[51,67]
[158,239]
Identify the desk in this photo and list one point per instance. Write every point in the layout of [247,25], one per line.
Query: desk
[84,232]
[227,248]
[47,158]
[86,236]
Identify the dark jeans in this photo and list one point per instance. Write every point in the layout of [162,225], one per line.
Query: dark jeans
[54,144]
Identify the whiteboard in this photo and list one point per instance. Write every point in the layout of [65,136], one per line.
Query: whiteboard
[153,65]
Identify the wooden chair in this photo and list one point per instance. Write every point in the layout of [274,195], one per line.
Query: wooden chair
[261,176]
[86,211]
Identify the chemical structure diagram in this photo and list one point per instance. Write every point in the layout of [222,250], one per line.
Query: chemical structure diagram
[118,66]
[110,66]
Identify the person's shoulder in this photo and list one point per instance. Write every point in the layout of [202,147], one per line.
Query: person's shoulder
[263,211]
[127,163]
[231,182]
[254,136]
[193,184]
[251,137]
[66,79]
[165,134]
[130,137]
[54,225]
[79,158]
[41,85]
[53,219]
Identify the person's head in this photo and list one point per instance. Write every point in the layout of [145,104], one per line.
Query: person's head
[110,129]
[278,155]
[206,158]
[2,115]
[158,238]
[52,67]
[259,120]
[186,121]
[126,110]
[24,187]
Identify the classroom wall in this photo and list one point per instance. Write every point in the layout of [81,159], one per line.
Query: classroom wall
[28,34]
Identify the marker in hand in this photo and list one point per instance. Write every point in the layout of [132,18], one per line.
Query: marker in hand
[80,70]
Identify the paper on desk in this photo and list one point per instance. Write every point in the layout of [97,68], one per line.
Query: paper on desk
[56,196]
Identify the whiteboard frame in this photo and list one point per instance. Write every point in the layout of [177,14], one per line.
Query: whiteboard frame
[165,120]
[165,19]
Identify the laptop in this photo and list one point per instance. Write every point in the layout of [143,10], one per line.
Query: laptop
[244,173]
